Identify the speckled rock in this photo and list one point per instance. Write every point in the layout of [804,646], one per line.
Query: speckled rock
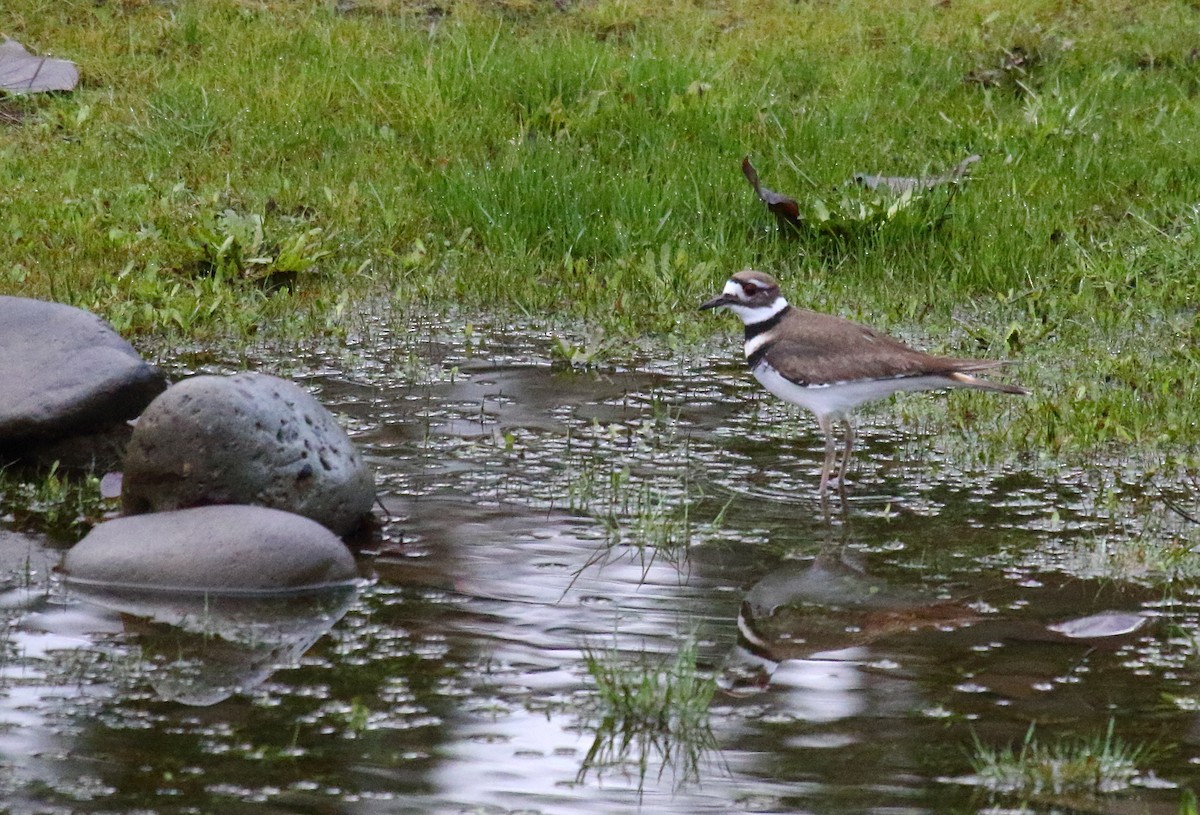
[246,439]
[64,372]
[211,549]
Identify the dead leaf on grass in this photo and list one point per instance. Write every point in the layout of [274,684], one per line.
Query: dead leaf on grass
[785,209]
[902,184]
[23,72]
[857,212]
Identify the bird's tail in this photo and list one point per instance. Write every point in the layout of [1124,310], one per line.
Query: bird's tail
[965,380]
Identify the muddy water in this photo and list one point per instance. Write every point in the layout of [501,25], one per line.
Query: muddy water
[536,514]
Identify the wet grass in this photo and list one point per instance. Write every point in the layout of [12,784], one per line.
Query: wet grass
[653,527]
[637,482]
[649,709]
[1099,765]
[61,504]
[229,166]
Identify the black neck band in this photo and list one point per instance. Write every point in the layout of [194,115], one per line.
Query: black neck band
[754,329]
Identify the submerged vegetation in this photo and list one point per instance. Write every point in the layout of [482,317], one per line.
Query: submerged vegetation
[230,165]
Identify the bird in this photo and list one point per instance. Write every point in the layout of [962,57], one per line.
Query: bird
[830,366]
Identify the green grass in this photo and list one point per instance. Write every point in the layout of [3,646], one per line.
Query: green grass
[650,710]
[583,163]
[1062,768]
[62,504]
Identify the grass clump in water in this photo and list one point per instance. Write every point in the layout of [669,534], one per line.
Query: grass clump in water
[650,709]
[647,519]
[1068,767]
[51,501]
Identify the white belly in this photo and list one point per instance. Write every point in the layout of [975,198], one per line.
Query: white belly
[838,400]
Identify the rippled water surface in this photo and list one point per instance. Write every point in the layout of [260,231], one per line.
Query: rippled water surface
[538,517]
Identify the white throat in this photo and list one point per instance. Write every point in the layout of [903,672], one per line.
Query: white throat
[757,314]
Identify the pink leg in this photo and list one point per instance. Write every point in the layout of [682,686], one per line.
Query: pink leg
[845,453]
[830,453]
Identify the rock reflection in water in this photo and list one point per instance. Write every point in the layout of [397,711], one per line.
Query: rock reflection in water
[199,649]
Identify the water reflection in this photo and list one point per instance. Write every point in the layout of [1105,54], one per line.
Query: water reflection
[199,649]
[833,603]
[637,755]
[831,609]
[534,514]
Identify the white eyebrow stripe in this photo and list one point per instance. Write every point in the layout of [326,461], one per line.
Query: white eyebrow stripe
[735,288]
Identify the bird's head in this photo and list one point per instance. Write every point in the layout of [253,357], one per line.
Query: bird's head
[753,296]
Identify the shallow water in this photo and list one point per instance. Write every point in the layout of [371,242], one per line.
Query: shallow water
[537,514]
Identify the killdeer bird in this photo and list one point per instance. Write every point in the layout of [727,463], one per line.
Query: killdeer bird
[830,366]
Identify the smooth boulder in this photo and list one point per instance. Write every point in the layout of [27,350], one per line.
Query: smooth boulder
[218,549]
[65,372]
[246,439]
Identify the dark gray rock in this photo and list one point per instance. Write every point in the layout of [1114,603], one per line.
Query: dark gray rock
[221,549]
[65,372]
[246,439]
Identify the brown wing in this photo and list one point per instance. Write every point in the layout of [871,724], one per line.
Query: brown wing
[821,348]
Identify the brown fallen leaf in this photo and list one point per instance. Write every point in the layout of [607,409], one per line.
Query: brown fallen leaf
[22,72]
[785,209]
[903,184]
